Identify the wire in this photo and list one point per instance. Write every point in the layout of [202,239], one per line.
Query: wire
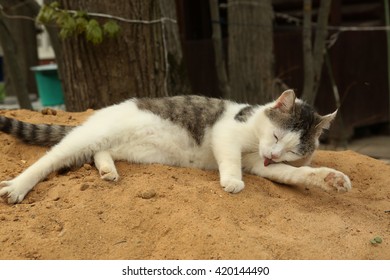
[135,21]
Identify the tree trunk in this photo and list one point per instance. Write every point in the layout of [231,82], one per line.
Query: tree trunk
[314,60]
[14,71]
[18,39]
[55,41]
[307,49]
[178,81]
[250,49]
[220,60]
[133,64]
[24,34]
[320,41]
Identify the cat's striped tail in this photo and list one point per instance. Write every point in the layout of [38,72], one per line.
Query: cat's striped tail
[34,134]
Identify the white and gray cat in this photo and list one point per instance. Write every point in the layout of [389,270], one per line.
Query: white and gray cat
[275,141]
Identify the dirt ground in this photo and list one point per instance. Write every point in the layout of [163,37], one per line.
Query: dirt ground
[162,212]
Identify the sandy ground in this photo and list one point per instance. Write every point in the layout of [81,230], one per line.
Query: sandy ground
[162,212]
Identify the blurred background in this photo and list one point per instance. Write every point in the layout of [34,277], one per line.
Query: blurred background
[334,54]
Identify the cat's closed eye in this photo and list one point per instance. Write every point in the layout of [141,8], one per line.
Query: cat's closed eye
[276,137]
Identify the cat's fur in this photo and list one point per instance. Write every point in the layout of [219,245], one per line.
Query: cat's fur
[275,141]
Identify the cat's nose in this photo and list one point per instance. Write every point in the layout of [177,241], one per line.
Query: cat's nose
[274,156]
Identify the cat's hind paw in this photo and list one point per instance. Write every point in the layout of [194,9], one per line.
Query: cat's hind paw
[232,185]
[10,192]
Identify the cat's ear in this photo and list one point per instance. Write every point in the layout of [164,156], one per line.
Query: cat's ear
[286,101]
[326,121]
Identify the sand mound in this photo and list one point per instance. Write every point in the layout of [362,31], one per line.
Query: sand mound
[162,212]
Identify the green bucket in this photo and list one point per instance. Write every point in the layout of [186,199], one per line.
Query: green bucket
[49,85]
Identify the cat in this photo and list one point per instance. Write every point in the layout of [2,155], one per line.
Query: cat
[274,141]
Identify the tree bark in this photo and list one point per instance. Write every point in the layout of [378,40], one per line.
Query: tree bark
[15,73]
[24,35]
[133,64]
[250,50]
[314,59]
[319,43]
[55,41]
[20,50]
[307,49]
[178,81]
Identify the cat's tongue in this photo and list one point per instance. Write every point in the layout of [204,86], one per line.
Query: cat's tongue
[268,161]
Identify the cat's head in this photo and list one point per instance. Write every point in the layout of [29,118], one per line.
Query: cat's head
[294,130]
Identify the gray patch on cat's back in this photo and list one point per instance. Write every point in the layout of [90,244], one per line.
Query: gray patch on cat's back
[244,114]
[194,113]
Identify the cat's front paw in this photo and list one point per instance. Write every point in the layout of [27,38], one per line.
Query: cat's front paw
[12,192]
[108,174]
[232,185]
[334,180]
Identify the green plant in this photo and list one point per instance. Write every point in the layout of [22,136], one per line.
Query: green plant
[376,240]
[77,23]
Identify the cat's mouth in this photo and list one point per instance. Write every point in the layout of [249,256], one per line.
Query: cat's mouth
[268,161]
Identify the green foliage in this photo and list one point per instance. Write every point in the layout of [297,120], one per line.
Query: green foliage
[111,28]
[81,23]
[94,32]
[77,23]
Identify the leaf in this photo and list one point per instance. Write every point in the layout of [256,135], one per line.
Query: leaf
[81,25]
[70,24]
[378,240]
[67,25]
[94,32]
[55,5]
[111,28]
[62,18]
[46,14]
[65,33]
[42,16]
